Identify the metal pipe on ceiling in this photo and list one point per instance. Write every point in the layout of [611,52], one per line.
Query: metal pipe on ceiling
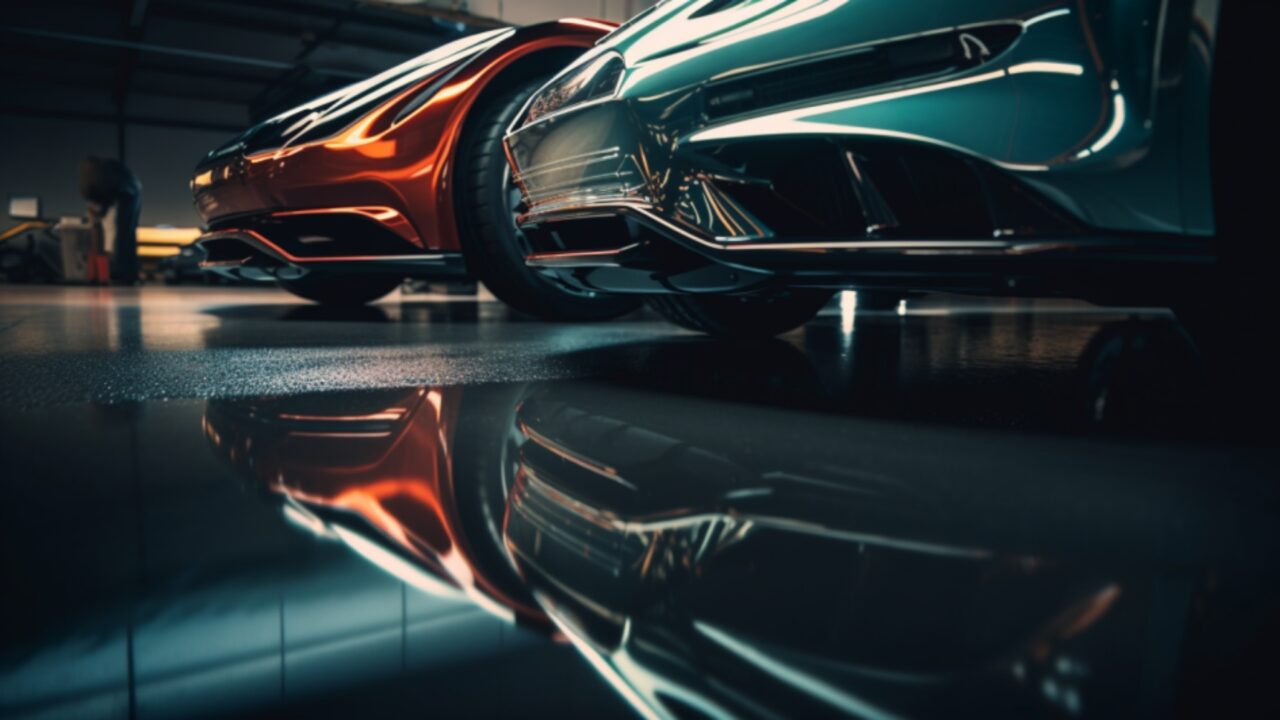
[181,52]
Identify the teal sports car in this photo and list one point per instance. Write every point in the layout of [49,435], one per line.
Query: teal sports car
[737,161]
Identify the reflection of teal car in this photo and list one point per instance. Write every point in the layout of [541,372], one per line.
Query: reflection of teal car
[739,160]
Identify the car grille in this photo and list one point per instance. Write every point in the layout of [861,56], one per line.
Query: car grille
[867,67]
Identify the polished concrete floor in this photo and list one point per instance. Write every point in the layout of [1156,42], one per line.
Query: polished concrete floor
[80,344]
[225,502]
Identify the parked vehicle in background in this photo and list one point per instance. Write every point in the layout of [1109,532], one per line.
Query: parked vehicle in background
[29,253]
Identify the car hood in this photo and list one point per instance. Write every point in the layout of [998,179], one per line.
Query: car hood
[332,113]
[681,43]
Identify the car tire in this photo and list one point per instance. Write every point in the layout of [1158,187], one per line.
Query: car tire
[494,247]
[341,290]
[486,451]
[741,316]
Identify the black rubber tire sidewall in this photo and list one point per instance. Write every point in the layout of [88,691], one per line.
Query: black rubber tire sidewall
[489,240]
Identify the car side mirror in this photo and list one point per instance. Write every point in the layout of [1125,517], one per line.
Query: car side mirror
[24,207]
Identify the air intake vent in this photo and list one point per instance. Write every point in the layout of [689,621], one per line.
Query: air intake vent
[715,6]
[867,67]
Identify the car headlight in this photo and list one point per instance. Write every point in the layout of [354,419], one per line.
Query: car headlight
[595,80]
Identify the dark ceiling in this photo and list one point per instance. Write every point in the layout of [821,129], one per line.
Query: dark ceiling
[214,64]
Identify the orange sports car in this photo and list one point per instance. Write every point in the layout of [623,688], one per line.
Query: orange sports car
[401,175]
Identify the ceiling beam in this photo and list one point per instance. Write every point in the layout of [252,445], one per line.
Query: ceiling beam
[37,80]
[28,111]
[176,51]
[41,62]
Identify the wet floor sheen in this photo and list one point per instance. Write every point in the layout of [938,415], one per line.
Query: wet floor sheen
[433,508]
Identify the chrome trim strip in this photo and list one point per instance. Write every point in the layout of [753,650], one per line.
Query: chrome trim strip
[571,162]
[540,195]
[575,208]
[262,244]
[1011,247]
[578,258]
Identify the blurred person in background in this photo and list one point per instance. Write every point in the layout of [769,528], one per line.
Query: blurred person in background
[115,203]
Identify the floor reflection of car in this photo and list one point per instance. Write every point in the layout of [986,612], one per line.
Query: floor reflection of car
[740,541]
[761,562]
[376,470]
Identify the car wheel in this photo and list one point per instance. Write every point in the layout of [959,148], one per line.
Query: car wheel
[488,202]
[741,316]
[337,289]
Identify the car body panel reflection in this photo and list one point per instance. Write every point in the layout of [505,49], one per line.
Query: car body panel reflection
[734,559]
[727,561]
[375,470]
[713,546]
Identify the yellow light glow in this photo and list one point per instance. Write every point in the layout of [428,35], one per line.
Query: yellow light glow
[167,235]
[158,251]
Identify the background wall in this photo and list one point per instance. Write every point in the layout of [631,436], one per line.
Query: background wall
[42,157]
[530,11]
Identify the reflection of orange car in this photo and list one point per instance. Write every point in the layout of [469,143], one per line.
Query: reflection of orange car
[401,175]
[375,470]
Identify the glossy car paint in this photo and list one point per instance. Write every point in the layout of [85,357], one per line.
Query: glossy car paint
[345,154]
[1097,110]
[376,473]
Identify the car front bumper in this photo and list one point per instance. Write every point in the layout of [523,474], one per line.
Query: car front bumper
[618,200]
[281,215]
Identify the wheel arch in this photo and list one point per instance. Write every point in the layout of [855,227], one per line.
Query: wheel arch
[535,64]
[531,51]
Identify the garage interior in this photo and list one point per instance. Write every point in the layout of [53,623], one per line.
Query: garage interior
[222,500]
